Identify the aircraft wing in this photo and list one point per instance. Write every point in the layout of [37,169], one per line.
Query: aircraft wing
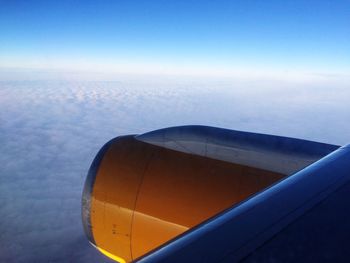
[204,194]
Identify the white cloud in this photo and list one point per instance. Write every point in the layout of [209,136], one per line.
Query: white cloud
[51,130]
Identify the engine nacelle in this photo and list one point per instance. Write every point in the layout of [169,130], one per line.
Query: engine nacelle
[142,191]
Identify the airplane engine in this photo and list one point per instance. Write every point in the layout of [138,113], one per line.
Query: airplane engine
[145,190]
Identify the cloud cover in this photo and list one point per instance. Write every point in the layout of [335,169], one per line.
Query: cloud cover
[50,132]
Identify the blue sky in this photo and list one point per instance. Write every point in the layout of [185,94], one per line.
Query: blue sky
[50,131]
[309,37]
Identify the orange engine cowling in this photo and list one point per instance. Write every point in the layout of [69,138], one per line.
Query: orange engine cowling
[139,195]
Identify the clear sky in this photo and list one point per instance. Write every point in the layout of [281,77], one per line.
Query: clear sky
[311,37]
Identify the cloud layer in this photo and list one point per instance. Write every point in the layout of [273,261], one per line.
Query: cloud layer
[50,131]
